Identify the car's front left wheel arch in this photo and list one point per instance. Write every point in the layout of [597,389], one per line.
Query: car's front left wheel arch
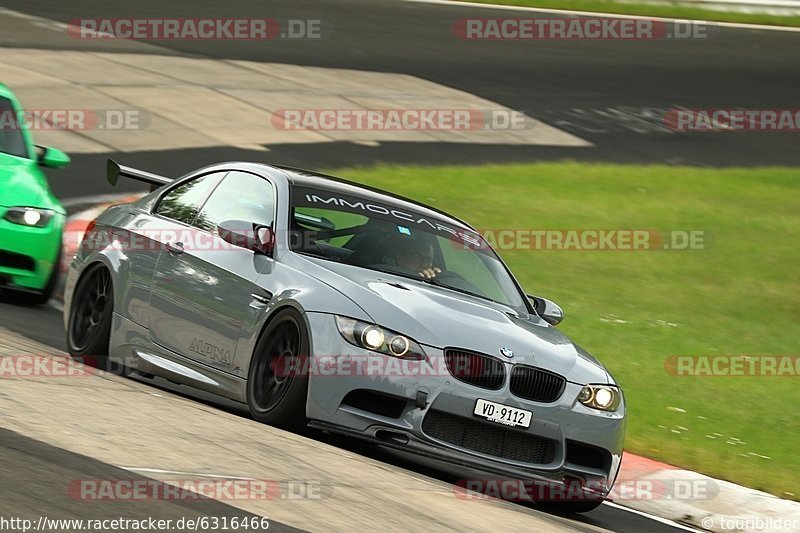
[277,388]
[90,314]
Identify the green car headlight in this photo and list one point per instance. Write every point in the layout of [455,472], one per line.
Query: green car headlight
[28,216]
[378,339]
[602,397]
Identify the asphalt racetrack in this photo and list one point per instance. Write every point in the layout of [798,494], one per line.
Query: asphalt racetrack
[612,94]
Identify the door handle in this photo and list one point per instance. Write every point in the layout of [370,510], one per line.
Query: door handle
[175,248]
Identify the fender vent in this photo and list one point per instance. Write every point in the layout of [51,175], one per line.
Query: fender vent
[17,261]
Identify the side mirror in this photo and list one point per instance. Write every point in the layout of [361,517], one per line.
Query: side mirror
[51,157]
[550,311]
[254,237]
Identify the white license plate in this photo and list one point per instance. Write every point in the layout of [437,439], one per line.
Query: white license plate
[503,414]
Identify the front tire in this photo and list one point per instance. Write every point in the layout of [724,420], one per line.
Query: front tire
[89,325]
[276,394]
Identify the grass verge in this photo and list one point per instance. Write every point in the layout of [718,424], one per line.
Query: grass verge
[672,11]
[635,309]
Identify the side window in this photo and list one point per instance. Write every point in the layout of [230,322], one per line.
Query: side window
[11,139]
[240,196]
[313,220]
[183,202]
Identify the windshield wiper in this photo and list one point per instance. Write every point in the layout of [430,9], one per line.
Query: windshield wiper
[432,281]
[392,272]
[476,295]
[318,255]
[429,281]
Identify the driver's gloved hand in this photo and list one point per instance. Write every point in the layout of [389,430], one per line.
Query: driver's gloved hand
[430,272]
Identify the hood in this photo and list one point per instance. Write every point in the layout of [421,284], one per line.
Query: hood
[437,317]
[22,183]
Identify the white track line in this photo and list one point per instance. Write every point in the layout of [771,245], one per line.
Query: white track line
[737,25]
[666,521]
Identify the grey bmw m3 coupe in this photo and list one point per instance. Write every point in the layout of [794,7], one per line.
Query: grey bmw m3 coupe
[320,302]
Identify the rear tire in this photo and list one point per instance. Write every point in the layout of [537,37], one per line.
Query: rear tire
[90,315]
[275,394]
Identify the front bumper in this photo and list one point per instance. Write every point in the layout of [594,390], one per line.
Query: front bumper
[29,255]
[429,412]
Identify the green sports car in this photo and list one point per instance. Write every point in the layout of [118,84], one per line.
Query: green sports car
[31,218]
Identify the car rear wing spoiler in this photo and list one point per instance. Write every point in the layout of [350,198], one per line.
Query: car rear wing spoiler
[114,170]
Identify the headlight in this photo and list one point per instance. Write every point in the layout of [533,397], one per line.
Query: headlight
[28,216]
[378,339]
[603,397]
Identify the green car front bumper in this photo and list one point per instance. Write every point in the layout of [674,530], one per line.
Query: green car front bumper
[29,255]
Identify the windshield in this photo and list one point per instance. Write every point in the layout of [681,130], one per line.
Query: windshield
[395,239]
[11,140]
